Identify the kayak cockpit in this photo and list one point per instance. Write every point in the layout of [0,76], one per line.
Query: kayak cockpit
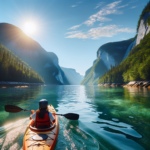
[34,129]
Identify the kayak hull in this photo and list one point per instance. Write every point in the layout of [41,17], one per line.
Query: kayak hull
[38,139]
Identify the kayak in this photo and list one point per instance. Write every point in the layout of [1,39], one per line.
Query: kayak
[41,139]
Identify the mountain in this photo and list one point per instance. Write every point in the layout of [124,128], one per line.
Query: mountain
[108,56]
[43,62]
[125,60]
[73,77]
[12,68]
[136,66]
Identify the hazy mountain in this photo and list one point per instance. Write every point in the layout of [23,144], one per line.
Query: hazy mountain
[30,51]
[73,77]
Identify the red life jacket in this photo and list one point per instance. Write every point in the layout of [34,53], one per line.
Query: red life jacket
[42,123]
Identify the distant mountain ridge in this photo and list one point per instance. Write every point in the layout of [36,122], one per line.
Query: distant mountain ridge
[45,63]
[73,77]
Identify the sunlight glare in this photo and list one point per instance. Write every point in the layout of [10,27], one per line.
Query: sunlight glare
[29,28]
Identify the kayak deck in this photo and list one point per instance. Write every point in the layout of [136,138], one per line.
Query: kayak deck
[41,140]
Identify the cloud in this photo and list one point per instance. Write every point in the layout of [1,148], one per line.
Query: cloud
[133,7]
[101,24]
[99,16]
[73,32]
[99,4]
[73,5]
[75,27]
[123,6]
[96,33]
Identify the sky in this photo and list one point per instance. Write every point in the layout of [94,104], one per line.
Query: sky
[75,29]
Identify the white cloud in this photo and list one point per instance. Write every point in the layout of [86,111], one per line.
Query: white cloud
[101,24]
[75,27]
[133,7]
[73,32]
[123,6]
[73,5]
[99,16]
[113,5]
[99,4]
[96,33]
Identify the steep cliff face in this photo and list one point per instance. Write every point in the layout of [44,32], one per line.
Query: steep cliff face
[108,56]
[113,53]
[143,30]
[73,77]
[43,62]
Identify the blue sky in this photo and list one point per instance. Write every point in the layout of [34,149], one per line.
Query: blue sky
[75,29]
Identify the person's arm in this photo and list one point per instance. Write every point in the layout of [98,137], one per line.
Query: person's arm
[32,116]
[51,117]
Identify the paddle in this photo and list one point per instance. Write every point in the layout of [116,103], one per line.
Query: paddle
[70,116]
[15,109]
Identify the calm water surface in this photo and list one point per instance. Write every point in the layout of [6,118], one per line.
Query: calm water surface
[110,118]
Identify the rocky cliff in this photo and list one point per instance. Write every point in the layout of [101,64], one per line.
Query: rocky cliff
[108,56]
[30,51]
[143,30]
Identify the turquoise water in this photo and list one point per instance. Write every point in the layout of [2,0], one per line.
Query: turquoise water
[110,118]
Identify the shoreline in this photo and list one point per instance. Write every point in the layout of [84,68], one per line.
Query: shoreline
[5,84]
[144,84]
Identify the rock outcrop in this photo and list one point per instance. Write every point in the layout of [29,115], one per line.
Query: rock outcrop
[143,30]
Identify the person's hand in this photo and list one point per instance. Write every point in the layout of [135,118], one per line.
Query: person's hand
[32,111]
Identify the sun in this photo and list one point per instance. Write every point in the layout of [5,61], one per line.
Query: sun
[29,28]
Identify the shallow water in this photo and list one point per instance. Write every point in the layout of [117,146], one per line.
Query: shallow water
[110,118]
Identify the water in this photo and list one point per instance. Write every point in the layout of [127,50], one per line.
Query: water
[110,118]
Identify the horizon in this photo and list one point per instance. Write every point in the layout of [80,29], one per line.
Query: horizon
[79,34]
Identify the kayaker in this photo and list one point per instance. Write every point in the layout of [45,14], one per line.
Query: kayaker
[42,118]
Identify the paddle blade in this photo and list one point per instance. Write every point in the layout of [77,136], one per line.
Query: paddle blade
[12,108]
[71,116]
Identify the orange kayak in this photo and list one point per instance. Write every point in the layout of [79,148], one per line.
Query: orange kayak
[41,139]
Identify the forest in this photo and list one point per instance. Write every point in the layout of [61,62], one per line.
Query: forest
[12,68]
[134,67]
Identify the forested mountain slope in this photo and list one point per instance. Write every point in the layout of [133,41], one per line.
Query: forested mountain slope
[12,68]
[43,62]
[137,65]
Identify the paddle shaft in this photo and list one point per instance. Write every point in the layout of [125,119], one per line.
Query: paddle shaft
[26,110]
[15,109]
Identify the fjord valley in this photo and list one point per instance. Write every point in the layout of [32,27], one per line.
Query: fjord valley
[75,75]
